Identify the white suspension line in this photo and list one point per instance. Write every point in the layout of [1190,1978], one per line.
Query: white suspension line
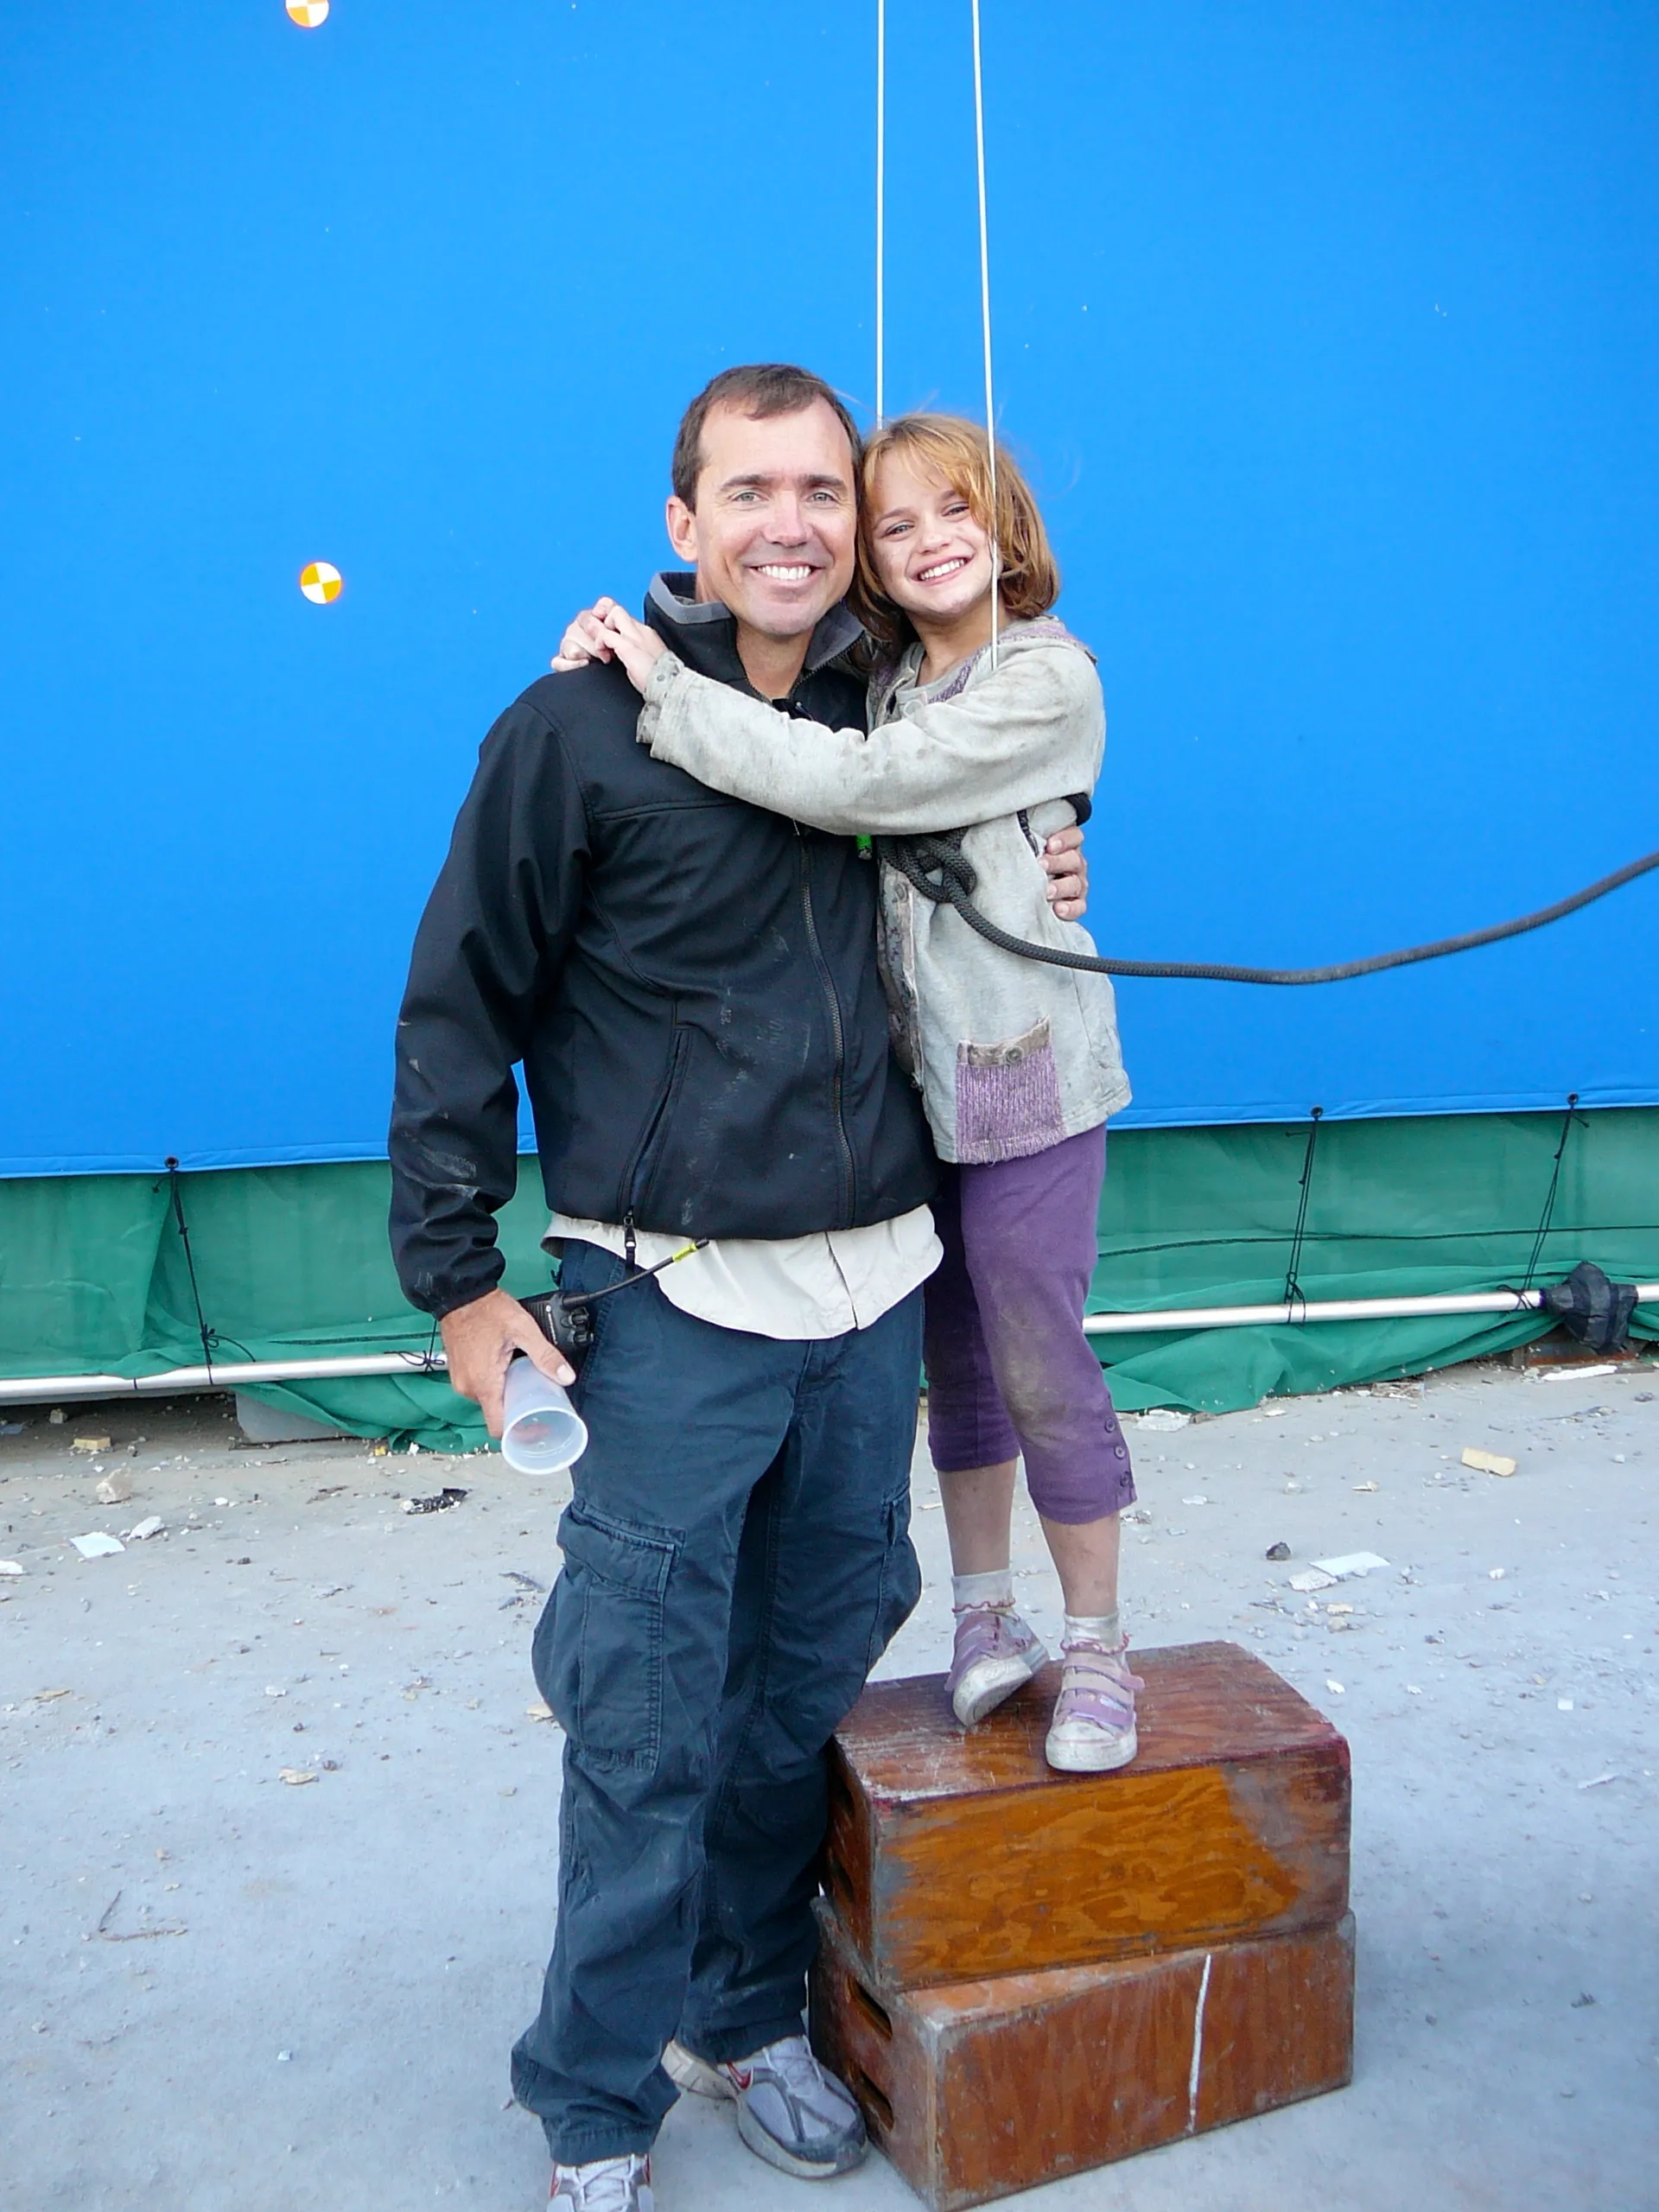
[985,319]
[880,207]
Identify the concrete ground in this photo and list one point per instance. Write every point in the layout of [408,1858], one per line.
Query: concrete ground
[228,1992]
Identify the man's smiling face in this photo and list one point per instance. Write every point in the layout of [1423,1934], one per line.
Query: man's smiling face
[772,533]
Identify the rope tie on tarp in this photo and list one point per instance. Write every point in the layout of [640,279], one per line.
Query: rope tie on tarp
[1294,1294]
[175,1199]
[1547,1215]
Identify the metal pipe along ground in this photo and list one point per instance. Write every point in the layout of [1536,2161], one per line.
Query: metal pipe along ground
[234,1375]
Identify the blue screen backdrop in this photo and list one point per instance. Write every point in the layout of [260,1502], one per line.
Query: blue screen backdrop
[1330,333]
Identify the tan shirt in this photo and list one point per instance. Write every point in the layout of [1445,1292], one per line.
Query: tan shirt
[797,1288]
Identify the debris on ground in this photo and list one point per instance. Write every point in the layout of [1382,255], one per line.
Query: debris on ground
[10,1567]
[57,1417]
[1576,1374]
[441,1503]
[1277,1551]
[1311,1579]
[1488,1463]
[1163,1421]
[1350,1563]
[97,1545]
[90,1444]
[108,1935]
[539,1711]
[296,1777]
[115,1489]
[151,1525]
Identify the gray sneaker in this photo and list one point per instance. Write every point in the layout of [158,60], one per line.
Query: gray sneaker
[995,1654]
[790,2112]
[603,2185]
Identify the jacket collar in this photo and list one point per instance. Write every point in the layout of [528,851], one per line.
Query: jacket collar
[704,633]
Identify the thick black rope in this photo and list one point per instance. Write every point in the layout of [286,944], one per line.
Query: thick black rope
[922,859]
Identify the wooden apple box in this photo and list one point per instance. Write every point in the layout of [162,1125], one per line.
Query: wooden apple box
[977,2088]
[956,1855]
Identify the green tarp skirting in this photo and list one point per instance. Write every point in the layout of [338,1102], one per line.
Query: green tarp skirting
[292,1261]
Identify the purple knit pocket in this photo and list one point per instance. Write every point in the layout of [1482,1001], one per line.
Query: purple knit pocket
[1007,1098]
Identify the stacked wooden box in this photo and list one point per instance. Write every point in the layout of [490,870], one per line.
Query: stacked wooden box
[1024,1974]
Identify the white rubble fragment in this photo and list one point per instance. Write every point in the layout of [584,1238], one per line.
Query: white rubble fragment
[1163,1421]
[114,1489]
[97,1545]
[152,1525]
[10,1567]
[1576,1374]
[1313,1577]
[1351,1563]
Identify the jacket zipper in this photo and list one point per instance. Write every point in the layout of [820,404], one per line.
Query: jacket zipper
[834,1004]
[638,1169]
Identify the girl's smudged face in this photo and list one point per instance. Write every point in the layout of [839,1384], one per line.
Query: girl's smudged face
[932,557]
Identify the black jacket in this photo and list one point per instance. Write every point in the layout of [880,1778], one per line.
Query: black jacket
[689,981]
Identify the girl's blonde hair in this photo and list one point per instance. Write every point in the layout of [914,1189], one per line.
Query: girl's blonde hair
[959,451]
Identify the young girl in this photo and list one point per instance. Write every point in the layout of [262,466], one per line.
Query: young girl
[1018,1062]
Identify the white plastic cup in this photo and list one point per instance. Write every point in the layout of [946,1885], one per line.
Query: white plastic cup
[541,1432]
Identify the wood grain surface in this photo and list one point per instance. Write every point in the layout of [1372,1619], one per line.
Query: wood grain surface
[956,1853]
[980,2089]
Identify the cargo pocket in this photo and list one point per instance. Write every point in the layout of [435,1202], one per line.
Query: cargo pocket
[601,1669]
[900,1584]
[1008,1097]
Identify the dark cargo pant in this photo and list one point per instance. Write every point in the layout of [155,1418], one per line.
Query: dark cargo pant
[736,1557]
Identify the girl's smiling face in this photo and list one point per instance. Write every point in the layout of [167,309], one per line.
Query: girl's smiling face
[932,557]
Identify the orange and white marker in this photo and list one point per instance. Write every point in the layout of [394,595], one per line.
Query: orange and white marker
[320,581]
[308,13]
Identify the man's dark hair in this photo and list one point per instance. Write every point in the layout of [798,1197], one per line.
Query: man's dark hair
[758,389]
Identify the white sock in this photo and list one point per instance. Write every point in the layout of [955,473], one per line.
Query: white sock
[1091,1628]
[995,1588]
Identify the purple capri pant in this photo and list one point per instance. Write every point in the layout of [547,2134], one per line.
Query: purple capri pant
[1009,1370]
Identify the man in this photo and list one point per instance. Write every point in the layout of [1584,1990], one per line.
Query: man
[690,985]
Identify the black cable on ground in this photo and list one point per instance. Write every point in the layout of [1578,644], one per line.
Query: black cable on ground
[920,860]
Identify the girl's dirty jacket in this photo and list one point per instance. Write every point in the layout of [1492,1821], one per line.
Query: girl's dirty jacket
[1011,1055]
